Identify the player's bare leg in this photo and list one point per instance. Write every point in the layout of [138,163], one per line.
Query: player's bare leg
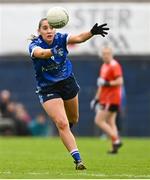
[56,111]
[111,119]
[116,143]
[72,110]
[101,122]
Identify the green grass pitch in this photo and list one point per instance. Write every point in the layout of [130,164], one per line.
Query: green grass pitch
[48,158]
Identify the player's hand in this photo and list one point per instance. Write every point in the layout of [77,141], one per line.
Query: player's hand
[93,103]
[101,29]
[102,82]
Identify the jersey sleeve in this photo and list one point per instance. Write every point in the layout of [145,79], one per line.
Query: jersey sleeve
[64,38]
[117,71]
[32,47]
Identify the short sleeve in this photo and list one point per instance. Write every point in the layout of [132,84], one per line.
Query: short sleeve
[117,70]
[64,38]
[32,47]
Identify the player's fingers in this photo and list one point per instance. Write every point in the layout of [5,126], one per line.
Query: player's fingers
[105,29]
[105,32]
[96,25]
[103,35]
[102,25]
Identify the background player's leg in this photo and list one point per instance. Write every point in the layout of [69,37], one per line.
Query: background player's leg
[72,109]
[116,143]
[101,122]
[111,119]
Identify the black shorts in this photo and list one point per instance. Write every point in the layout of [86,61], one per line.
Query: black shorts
[65,89]
[110,107]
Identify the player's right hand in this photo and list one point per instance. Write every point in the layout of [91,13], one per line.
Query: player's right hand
[93,103]
[101,29]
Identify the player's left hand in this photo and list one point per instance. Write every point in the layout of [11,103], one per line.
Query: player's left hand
[101,29]
[102,82]
[93,103]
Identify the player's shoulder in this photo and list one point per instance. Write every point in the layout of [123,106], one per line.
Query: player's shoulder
[60,38]
[59,35]
[36,41]
[114,63]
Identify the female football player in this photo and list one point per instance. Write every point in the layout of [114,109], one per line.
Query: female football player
[56,85]
[108,97]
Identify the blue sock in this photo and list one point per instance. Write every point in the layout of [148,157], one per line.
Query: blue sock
[76,155]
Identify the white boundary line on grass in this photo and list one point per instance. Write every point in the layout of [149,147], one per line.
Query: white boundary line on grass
[107,175]
[5,172]
[85,174]
[38,173]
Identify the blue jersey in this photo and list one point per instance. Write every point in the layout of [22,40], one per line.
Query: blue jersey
[54,69]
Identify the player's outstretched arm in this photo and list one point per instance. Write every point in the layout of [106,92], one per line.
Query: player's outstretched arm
[96,30]
[45,53]
[42,53]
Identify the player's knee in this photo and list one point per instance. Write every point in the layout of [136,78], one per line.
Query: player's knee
[98,121]
[62,123]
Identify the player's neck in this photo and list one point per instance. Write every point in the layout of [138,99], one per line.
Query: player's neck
[109,61]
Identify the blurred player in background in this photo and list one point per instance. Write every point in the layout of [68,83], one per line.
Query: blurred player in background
[56,85]
[108,97]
